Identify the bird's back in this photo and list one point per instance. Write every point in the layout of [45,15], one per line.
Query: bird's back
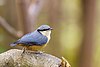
[30,39]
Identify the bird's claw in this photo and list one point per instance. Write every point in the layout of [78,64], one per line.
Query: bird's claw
[38,52]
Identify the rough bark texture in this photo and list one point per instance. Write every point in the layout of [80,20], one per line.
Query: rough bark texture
[16,58]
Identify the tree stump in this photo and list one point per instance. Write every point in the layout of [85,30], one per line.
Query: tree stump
[16,58]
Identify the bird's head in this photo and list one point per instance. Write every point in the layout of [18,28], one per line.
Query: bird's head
[45,30]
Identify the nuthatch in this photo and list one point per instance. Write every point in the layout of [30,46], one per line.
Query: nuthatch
[35,40]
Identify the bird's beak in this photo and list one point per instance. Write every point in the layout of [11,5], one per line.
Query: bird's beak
[51,28]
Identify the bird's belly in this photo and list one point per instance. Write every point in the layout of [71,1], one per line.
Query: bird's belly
[35,48]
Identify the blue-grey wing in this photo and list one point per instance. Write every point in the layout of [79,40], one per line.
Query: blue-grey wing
[34,38]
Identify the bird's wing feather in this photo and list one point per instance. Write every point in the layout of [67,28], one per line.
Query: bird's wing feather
[34,38]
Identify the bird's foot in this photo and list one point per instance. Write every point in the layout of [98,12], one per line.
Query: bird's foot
[31,51]
[38,52]
[35,52]
[23,51]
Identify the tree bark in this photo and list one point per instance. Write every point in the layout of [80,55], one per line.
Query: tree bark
[16,58]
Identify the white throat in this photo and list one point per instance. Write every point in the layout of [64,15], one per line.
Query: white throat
[46,33]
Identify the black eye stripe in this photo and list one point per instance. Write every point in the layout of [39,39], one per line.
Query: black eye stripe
[43,29]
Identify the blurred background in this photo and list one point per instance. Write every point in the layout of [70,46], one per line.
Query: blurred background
[76,24]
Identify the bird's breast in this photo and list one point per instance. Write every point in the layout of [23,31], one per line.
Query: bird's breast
[48,38]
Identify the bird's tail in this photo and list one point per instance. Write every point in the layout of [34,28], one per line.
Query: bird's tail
[13,44]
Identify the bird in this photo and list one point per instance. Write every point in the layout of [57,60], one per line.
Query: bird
[35,40]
